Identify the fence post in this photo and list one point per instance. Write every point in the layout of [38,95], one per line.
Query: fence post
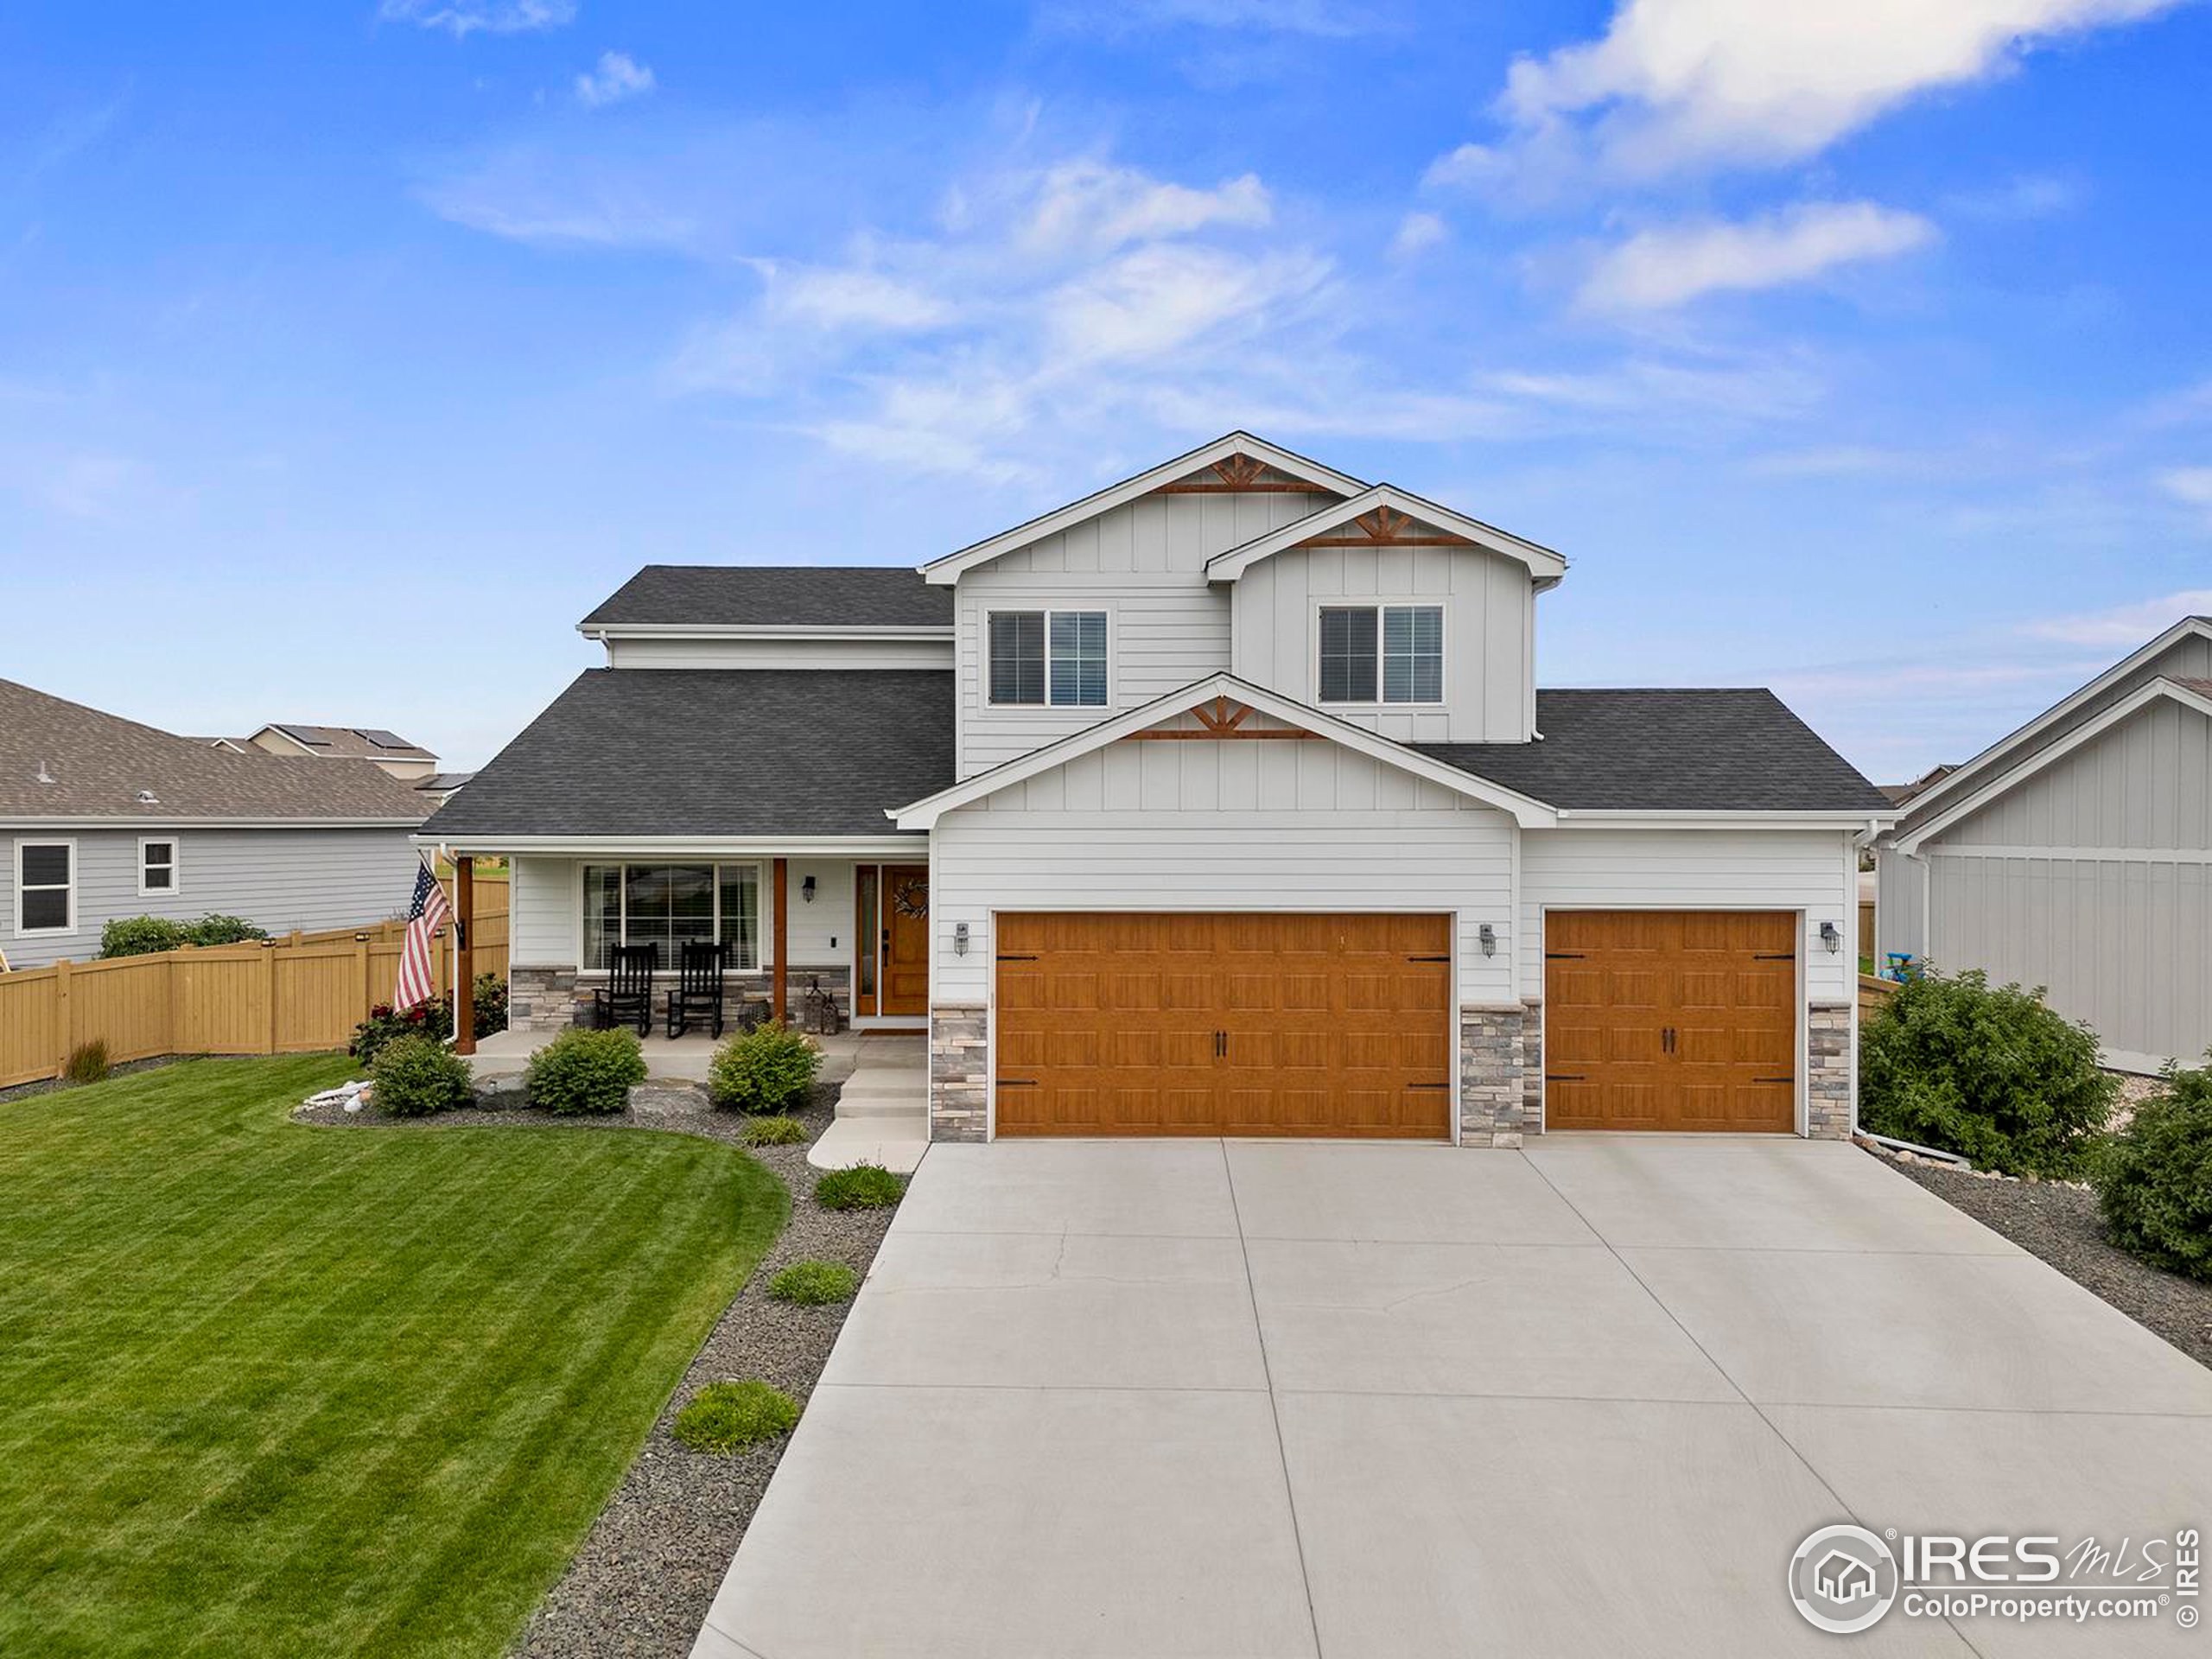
[362,996]
[64,1025]
[269,991]
[464,967]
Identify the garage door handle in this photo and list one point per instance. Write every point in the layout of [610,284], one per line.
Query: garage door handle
[1001,958]
[1667,1039]
[1220,1044]
[1563,956]
[1017,1083]
[1428,958]
[1775,955]
[1774,1079]
[1565,1077]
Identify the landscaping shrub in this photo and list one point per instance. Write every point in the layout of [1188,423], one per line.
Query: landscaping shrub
[140,936]
[768,1069]
[430,1019]
[773,1132]
[728,1416]
[418,1076]
[814,1284]
[1993,1074]
[864,1186]
[2154,1178]
[584,1070]
[87,1062]
[217,929]
[490,1004]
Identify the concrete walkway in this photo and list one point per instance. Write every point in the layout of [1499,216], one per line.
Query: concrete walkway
[1212,1400]
[883,1110]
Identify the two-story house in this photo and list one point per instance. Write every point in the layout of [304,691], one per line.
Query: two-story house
[1223,801]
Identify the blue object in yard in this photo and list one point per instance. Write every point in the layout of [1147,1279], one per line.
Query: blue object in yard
[1898,961]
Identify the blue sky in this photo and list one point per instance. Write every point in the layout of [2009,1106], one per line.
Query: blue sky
[349,352]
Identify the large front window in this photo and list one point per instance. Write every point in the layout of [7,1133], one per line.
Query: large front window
[670,905]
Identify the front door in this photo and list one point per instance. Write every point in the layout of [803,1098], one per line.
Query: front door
[892,933]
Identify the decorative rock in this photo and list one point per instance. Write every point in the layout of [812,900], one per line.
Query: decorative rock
[348,1095]
[656,1099]
[508,1082]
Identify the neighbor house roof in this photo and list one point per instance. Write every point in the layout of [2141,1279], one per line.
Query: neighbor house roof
[61,761]
[714,753]
[721,596]
[1670,751]
[348,742]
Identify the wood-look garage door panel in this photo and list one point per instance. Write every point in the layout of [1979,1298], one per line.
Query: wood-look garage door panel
[1670,1020]
[1327,1024]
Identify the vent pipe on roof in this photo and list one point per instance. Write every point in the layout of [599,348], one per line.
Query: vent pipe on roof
[147,798]
[44,776]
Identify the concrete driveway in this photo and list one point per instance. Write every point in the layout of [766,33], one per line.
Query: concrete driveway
[1213,1399]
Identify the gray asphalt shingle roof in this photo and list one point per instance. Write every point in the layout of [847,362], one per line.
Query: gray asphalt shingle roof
[1667,751]
[716,751]
[95,765]
[777,595]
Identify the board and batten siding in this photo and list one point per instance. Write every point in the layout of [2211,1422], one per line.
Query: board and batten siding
[709,653]
[1222,826]
[1144,564]
[546,898]
[1489,606]
[1815,872]
[279,880]
[2092,877]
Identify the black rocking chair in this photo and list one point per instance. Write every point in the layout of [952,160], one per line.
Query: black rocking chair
[627,996]
[698,987]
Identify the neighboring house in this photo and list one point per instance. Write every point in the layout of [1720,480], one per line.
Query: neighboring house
[439,787]
[104,817]
[2076,853]
[409,762]
[1222,801]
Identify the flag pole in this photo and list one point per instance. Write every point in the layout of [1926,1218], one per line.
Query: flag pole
[464,953]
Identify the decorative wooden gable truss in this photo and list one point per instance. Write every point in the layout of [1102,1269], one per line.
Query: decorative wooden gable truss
[1239,475]
[1221,720]
[1388,527]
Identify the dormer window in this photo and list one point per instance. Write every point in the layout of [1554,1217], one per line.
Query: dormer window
[1048,657]
[1382,653]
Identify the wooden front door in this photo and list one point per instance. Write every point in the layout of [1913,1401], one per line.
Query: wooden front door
[1670,1020]
[906,939]
[1224,1024]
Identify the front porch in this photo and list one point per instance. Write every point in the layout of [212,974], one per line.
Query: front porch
[668,1060]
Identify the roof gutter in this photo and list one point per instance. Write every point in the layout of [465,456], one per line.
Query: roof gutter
[187,821]
[761,631]
[889,844]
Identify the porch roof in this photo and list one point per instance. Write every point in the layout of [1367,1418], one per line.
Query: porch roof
[714,753]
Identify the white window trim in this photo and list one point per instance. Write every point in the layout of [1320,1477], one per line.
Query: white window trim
[23,932]
[1048,611]
[1356,602]
[175,866]
[765,922]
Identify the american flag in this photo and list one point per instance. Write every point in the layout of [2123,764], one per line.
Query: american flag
[425,915]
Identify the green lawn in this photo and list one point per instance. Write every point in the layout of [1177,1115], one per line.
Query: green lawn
[273,1389]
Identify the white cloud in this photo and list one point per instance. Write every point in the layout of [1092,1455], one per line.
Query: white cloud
[618,76]
[1090,205]
[1417,233]
[461,18]
[854,299]
[2123,627]
[1667,266]
[2026,196]
[1678,83]
[1156,300]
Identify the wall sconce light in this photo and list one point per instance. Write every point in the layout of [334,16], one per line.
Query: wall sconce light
[1488,937]
[1830,937]
[806,890]
[960,939]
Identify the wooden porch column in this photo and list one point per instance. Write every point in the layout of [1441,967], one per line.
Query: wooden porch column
[783,915]
[464,990]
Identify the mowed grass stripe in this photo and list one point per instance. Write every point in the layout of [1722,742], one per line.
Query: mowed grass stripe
[330,1390]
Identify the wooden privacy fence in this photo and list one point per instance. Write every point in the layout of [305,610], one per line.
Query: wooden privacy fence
[294,995]
[1874,994]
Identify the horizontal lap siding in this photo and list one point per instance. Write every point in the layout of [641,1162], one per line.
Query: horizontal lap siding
[1809,870]
[1144,564]
[279,880]
[1221,826]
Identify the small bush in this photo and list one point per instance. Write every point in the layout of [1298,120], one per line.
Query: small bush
[430,1019]
[141,936]
[581,1072]
[87,1063]
[773,1132]
[418,1076]
[768,1069]
[222,929]
[728,1416]
[814,1284]
[491,993]
[1995,1075]
[864,1186]
[2154,1178]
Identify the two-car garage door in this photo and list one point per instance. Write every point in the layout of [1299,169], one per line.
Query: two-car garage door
[1239,1024]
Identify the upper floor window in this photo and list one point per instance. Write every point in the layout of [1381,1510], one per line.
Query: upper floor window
[1056,657]
[46,886]
[156,865]
[1382,653]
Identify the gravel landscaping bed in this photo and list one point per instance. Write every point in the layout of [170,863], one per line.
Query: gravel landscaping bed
[643,1581]
[2062,1224]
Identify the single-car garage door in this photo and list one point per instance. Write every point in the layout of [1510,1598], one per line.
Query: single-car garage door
[1670,1020]
[1224,1024]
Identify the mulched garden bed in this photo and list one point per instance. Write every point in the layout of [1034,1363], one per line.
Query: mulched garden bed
[2062,1224]
[647,1572]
